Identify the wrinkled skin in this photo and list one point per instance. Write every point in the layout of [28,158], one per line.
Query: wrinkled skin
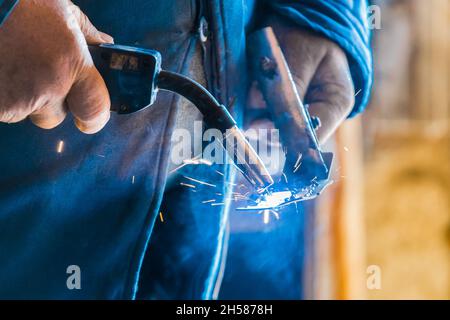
[46,70]
[321,71]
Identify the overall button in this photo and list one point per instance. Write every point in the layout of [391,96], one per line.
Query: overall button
[203,30]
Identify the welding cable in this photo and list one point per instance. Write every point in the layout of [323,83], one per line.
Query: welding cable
[215,114]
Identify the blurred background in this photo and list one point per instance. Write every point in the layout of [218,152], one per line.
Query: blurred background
[405,147]
[382,231]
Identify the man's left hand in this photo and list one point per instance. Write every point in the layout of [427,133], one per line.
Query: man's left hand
[321,71]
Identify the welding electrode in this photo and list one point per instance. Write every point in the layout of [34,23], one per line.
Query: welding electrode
[217,116]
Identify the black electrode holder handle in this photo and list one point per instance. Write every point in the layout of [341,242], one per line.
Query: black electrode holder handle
[130,75]
[133,77]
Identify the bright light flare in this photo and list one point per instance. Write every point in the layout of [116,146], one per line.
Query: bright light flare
[60,147]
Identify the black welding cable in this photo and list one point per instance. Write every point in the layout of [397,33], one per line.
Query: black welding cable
[215,114]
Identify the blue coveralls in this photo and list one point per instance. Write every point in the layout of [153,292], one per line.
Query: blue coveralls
[95,204]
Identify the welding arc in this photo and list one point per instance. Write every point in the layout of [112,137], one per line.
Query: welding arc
[215,114]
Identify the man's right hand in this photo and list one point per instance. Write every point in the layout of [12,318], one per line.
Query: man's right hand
[46,70]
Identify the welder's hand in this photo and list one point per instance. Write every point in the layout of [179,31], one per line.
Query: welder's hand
[46,69]
[321,71]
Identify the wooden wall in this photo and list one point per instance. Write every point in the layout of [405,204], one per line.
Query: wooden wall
[389,205]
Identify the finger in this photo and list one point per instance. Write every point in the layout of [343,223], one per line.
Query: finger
[50,116]
[332,108]
[303,57]
[88,101]
[13,114]
[91,34]
[332,102]
[255,97]
[330,120]
[302,78]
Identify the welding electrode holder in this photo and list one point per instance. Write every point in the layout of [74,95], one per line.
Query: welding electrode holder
[305,162]
[133,77]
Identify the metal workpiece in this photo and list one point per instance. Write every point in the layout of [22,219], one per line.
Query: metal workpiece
[304,159]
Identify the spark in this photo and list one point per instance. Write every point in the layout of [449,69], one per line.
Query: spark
[298,163]
[161,217]
[133,179]
[359,91]
[299,159]
[60,147]
[277,216]
[266,217]
[346,149]
[101,156]
[201,182]
[240,195]
[209,201]
[285,177]
[197,161]
[220,173]
[217,204]
[185,164]
[298,167]
[235,199]
[177,168]
[187,185]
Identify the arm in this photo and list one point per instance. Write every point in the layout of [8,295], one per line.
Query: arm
[47,71]
[343,22]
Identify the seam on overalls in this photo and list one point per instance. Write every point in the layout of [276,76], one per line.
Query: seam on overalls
[132,280]
[218,267]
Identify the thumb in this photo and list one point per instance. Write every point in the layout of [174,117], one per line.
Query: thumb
[89,102]
[88,99]
[91,34]
[331,95]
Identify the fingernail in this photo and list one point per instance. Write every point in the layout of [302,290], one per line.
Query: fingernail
[106,37]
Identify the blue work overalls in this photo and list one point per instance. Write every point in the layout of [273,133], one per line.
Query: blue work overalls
[69,199]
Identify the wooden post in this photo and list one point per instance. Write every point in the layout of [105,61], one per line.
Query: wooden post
[431,88]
